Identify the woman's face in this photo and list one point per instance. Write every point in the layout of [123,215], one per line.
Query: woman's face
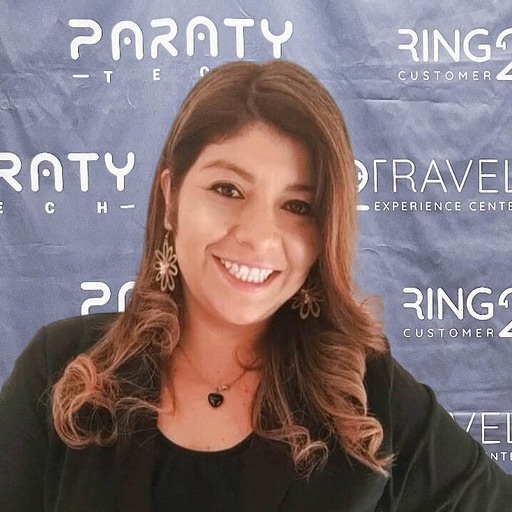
[245,236]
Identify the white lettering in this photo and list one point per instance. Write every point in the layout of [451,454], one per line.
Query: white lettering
[443,298]
[482,175]
[362,175]
[84,159]
[212,30]
[439,180]
[240,25]
[488,427]
[95,301]
[102,207]
[8,174]
[120,172]
[164,40]
[116,39]
[503,301]
[408,176]
[121,296]
[411,46]
[470,422]
[416,305]
[488,306]
[459,185]
[438,39]
[485,48]
[94,38]
[376,163]
[277,40]
[57,171]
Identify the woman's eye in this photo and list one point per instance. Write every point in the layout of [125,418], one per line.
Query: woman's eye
[299,207]
[226,189]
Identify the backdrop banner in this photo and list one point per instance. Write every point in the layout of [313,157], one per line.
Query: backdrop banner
[88,91]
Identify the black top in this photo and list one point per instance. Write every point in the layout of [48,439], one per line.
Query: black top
[186,480]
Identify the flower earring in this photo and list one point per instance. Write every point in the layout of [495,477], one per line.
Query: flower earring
[307,299]
[166,265]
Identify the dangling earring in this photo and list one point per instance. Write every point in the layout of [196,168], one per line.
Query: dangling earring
[307,299]
[166,265]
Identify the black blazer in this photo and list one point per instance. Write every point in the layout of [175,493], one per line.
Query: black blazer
[438,467]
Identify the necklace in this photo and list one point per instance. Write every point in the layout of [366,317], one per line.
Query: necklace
[215,397]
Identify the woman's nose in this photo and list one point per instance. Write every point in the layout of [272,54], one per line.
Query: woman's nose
[256,227]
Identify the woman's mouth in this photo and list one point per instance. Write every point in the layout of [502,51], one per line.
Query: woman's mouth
[246,273]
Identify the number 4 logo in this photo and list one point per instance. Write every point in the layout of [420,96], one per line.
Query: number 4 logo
[505,73]
[506,332]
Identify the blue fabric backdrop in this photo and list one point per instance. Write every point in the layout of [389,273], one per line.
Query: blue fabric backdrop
[88,90]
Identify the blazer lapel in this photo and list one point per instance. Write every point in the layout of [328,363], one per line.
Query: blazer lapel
[134,460]
[267,473]
[135,453]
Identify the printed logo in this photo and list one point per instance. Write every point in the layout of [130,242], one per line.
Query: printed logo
[455,55]
[492,429]
[46,172]
[164,38]
[104,297]
[470,313]
[403,184]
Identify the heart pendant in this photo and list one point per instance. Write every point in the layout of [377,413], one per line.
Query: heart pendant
[215,399]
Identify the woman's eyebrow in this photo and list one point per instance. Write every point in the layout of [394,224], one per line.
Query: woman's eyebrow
[231,166]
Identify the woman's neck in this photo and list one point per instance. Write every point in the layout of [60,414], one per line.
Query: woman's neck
[214,346]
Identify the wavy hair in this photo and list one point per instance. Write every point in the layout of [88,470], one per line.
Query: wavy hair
[311,395]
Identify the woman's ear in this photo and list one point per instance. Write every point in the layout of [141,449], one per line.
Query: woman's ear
[165,186]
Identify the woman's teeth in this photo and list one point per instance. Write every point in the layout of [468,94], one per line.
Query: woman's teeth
[247,274]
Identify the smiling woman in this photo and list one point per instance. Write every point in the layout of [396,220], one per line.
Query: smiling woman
[251,239]
[245,374]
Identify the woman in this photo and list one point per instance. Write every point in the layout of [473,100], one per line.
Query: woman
[244,374]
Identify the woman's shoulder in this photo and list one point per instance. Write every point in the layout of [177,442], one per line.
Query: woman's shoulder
[60,341]
[379,371]
[82,330]
[404,406]
[390,385]
[378,383]
[24,392]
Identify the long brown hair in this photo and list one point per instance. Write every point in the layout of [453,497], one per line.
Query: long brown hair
[314,369]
